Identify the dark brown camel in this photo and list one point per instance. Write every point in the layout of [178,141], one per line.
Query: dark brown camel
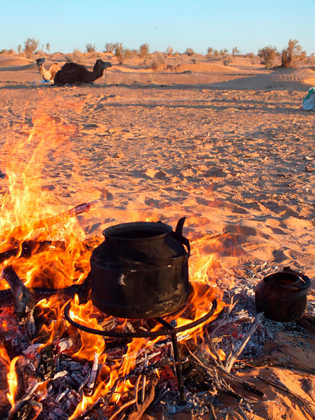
[73,73]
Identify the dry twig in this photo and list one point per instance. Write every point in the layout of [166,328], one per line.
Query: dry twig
[226,320]
[225,379]
[232,358]
[140,407]
[212,412]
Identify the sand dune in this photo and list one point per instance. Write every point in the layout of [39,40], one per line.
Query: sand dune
[8,63]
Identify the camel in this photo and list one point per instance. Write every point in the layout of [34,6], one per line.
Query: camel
[48,75]
[73,73]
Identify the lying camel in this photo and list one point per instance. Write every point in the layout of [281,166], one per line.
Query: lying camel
[73,73]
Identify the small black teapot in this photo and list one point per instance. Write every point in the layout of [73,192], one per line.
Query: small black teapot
[282,296]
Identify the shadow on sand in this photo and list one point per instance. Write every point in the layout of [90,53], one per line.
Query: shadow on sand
[277,108]
[15,86]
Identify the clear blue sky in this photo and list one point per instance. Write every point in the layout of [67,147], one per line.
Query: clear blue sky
[181,24]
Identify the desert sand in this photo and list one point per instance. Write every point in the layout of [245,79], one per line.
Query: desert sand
[229,147]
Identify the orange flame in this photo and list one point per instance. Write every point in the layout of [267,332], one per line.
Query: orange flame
[12,381]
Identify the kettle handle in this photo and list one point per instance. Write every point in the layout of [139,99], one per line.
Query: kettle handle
[180,225]
[179,234]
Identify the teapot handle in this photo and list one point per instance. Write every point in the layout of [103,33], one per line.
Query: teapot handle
[180,225]
[179,234]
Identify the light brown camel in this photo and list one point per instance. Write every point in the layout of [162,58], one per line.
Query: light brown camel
[48,75]
[73,73]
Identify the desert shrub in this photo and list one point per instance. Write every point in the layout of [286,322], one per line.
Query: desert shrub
[30,46]
[235,51]
[118,47]
[119,52]
[268,56]
[251,57]
[144,50]
[109,47]
[311,60]
[158,62]
[189,52]
[8,52]
[169,51]
[209,52]
[293,54]
[90,48]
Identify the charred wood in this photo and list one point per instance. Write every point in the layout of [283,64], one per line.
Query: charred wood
[23,299]
[46,366]
[28,248]
[39,293]
[26,410]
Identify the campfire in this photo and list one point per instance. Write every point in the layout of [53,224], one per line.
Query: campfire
[75,341]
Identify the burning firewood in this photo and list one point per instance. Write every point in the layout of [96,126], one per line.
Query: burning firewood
[140,407]
[88,389]
[61,217]
[23,299]
[28,247]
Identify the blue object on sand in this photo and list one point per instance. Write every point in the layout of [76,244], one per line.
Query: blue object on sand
[309,100]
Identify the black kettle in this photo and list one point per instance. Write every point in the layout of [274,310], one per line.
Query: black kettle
[140,270]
